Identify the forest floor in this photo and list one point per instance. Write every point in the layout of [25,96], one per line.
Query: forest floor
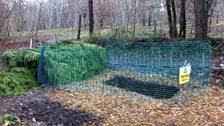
[37,108]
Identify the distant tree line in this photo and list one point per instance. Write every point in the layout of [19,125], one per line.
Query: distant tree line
[180,16]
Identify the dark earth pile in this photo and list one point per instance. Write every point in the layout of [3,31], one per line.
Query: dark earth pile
[35,109]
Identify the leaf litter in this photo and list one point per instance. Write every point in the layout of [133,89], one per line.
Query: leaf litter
[55,107]
[205,109]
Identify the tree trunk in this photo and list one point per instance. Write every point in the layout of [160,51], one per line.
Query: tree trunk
[192,26]
[182,33]
[8,33]
[149,20]
[38,20]
[168,7]
[155,28]
[84,16]
[101,23]
[80,25]
[144,21]
[135,15]
[174,19]
[72,25]
[7,30]
[91,17]
[210,24]
[217,17]
[201,27]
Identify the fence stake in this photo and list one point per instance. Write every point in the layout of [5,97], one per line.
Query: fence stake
[31,43]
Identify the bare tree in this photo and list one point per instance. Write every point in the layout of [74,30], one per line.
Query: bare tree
[129,12]
[19,15]
[142,5]
[135,15]
[173,6]
[39,18]
[182,33]
[91,17]
[170,20]
[80,26]
[6,9]
[201,27]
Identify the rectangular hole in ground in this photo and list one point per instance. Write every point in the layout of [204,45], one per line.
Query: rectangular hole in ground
[151,89]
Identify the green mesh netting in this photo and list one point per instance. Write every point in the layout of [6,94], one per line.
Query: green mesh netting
[127,68]
[68,64]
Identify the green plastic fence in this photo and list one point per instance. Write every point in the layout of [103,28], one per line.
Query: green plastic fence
[127,68]
[68,64]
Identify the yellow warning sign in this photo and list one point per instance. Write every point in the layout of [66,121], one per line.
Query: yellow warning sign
[184,74]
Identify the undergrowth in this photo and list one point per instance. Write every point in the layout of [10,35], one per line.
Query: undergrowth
[70,63]
[66,62]
[16,81]
[22,58]
[21,74]
[218,46]
[9,120]
[122,35]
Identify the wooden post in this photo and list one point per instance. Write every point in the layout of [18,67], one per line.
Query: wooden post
[55,36]
[155,27]
[149,20]
[31,43]
[80,25]
[159,58]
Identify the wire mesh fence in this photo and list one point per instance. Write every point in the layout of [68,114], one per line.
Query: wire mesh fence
[138,70]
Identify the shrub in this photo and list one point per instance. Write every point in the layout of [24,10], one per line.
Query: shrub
[16,81]
[218,46]
[22,58]
[215,41]
[150,37]
[97,38]
[9,120]
[66,62]
[73,63]
[7,58]
[64,42]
